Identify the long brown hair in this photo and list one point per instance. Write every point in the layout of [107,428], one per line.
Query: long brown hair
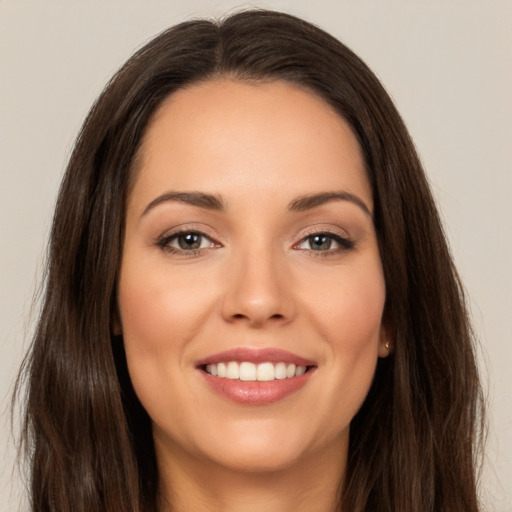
[414,442]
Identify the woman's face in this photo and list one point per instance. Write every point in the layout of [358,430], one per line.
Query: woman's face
[250,255]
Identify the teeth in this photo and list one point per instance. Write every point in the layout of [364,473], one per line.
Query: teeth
[300,370]
[266,372]
[280,371]
[262,372]
[232,370]
[290,371]
[248,371]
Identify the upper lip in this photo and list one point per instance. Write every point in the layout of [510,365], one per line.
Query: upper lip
[256,356]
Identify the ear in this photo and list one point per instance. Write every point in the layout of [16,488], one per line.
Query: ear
[385,344]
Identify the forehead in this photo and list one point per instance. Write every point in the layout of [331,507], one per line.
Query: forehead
[228,137]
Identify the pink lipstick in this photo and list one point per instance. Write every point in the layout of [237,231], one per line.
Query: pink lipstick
[256,376]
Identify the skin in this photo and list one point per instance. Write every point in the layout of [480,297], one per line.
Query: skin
[257,281]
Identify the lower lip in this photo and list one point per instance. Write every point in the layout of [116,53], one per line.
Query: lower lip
[255,392]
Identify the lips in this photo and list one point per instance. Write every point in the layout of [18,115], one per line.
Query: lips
[256,376]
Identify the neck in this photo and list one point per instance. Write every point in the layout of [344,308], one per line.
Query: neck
[192,485]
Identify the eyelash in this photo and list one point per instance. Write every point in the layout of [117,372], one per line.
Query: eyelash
[345,243]
[165,241]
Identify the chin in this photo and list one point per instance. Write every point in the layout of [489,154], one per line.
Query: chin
[268,448]
[265,460]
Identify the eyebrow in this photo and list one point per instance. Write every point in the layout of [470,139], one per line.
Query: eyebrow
[199,199]
[214,202]
[308,202]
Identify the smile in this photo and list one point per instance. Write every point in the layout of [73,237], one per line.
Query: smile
[247,371]
[251,376]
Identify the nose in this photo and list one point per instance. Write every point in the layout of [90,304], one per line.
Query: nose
[258,291]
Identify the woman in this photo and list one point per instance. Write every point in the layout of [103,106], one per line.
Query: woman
[250,303]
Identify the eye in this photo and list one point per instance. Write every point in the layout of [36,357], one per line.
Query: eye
[325,242]
[185,241]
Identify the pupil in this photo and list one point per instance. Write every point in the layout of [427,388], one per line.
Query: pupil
[189,241]
[321,242]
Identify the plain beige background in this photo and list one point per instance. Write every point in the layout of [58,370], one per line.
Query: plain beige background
[447,64]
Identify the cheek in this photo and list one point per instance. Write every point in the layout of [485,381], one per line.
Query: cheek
[163,307]
[348,315]
[347,308]
[159,315]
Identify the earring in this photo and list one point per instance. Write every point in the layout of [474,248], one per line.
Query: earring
[387,345]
